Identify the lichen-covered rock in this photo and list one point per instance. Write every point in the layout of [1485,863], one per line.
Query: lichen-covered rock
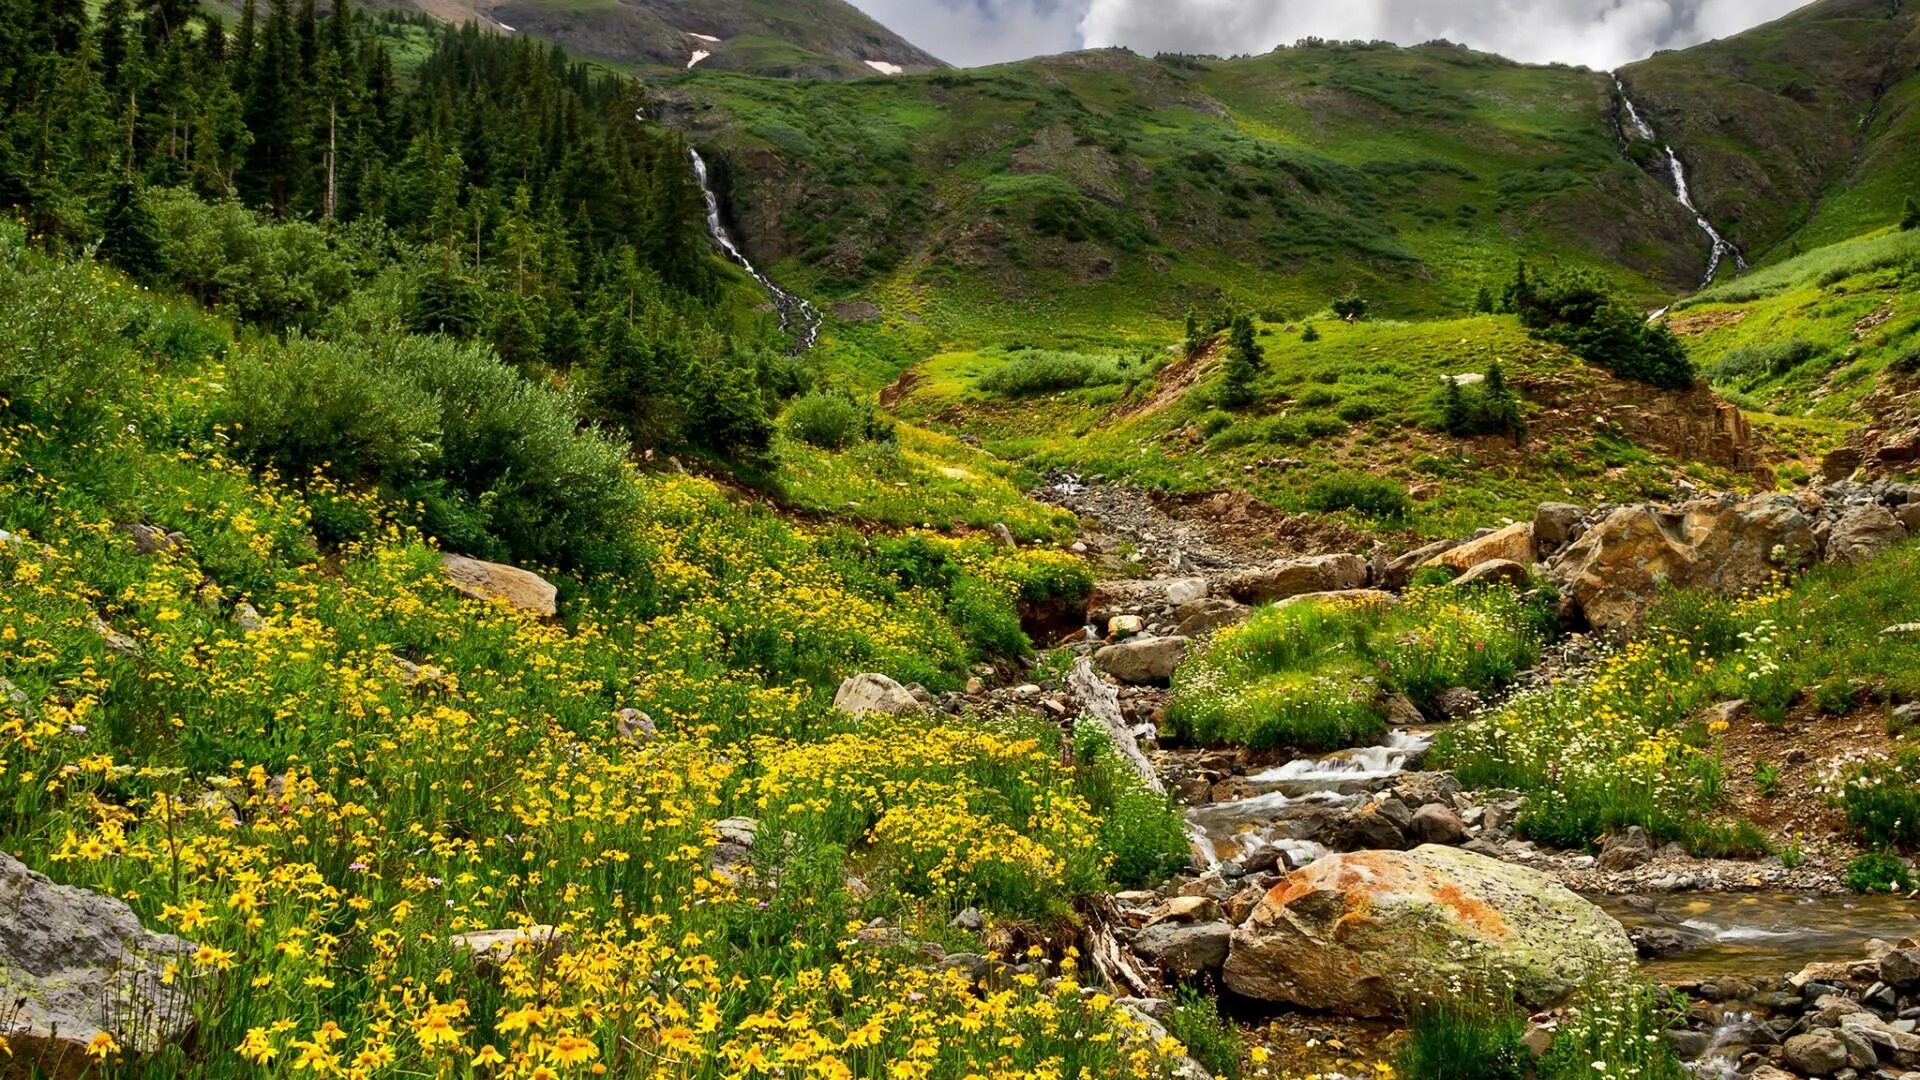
[1365,933]
[80,964]
[874,693]
[520,589]
[1619,566]
[1512,544]
[1863,532]
[1313,574]
[1185,951]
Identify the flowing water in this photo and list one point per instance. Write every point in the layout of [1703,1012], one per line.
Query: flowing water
[1294,799]
[1755,934]
[798,316]
[1636,127]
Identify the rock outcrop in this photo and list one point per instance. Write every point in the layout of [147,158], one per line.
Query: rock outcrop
[874,693]
[80,964]
[1143,661]
[1364,933]
[1292,577]
[498,583]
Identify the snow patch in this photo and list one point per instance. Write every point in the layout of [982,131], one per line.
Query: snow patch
[708,38]
[698,55]
[885,68]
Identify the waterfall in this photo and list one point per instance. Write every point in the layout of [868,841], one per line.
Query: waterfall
[797,316]
[1637,127]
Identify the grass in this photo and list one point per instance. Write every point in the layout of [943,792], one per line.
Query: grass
[1311,676]
[322,822]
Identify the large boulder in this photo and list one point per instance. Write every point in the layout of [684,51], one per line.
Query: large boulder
[1292,577]
[1512,544]
[1145,661]
[1185,952]
[74,964]
[497,583]
[873,693]
[1863,532]
[1366,933]
[1554,524]
[1619,566]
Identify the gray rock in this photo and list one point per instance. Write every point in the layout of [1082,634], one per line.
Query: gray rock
[1003,535]
[1901,968]
[1365,829]
[1863,532]
[151,540]
[1292,577]
[1554,523]
[1418,789]
[1184,591]
[1143,661]
[1402,712]
[80,964]
[635,726]
[874,693]
[497,583]
[1816,1053]
[1399,572]
[247,618]
[1435,824]
[116,641]
[969,920]
[1208,614]
[1185,951]
[1457,703]
[1495,572]
[1125,626]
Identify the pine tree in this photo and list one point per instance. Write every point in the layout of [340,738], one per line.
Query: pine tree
[1910,220]
[1483,303]
[113,31]
[132,239]
[1503,406]
[245,43]
[1455,416]
[1311,334]
[1245,359]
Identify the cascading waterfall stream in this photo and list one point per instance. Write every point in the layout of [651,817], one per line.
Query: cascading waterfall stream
[1722,248]
[798,316]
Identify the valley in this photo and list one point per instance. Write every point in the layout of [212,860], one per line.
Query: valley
[688,538]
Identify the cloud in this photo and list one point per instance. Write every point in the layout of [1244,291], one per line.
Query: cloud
[972,33]
[1598,33]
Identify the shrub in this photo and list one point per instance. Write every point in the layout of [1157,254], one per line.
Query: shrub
[1210,1039]
[223,254]
[1618,1029]
[63,361]
[314,404]
[1457,1039]
[1374,496]
[828,420]
[1577,311]
[1760,361]
[1881,798]
[1037,372]
[1145,833]
[1880,872]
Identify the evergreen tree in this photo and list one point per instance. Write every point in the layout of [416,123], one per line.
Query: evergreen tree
[113,31]
[1910,220]
[1503,405]
[1455,416]
[245,43]
[1483,303]
[1311,334]
[1245,359]
[131,239]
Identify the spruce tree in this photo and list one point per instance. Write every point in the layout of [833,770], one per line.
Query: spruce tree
[1454,415]
[113,30]
[132,239]
[1910,220]
[1245,359]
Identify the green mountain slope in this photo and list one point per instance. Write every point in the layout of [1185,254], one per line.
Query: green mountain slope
[781,38]
[1804,130]
[1108,182]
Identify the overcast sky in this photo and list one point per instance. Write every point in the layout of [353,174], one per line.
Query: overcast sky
[1598,33]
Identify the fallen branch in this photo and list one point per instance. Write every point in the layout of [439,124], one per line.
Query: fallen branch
[1099,699]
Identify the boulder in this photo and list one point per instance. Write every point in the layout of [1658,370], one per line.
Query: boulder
[152,540]
[1003,535]
[1183,591]
[1399,571]
[1436,824]
[1143,661]
[1312,574]
[1368,598]
[1125,626]
[1511,544]
[1185,951]
[1209,614]
[1495,572]
[1816,1053]
[492,948]
[1367,828]
[1365,933]
[74,964]
[1614,571]
[874,693]
[1554,524]
[1457,702]
[1863,532]
[497,583]
[1900,968]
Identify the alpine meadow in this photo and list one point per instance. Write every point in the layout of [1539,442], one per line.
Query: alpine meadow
[549,539]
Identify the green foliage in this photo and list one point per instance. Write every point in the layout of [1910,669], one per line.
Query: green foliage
[1244,363]
[1881,797]
[62,357]
[1145,833]
[834,420]
[1880,872]
[1350,308]
[1210,1039]
[1618,1029]
[1910,215]
[1576,309]
[1310,335]
[1766,777]
[1364,493]
[1487,408]
[1457,1038]
[1310,675]
[1760,361]
[1033,372]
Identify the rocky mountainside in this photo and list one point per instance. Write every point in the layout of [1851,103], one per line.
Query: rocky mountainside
[828,39]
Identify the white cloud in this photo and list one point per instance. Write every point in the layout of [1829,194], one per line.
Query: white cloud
[1597,33]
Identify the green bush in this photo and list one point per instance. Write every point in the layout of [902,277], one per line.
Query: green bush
[828,420]
[223,254]
[1882,799]
[1576,310]
[1210,1039]
[1145,833]
[1760,361]
[312,404]
[1880,872]
[1457,1039]
[1035,372]
[63,359]
[1374,496]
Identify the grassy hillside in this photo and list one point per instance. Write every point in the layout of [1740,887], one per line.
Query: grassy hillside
[1798,133]
[779,38]
[1079,188]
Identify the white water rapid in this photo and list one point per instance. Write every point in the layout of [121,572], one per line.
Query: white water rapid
[1636,127]
[797,315]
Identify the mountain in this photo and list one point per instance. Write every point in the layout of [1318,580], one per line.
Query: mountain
[1806,129]
[779,38]
[1116,182]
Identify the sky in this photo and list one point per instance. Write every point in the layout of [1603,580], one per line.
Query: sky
[1602,34]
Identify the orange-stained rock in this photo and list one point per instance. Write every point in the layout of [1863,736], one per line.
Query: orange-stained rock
[499,583]
[1370,932]
[1512,544]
